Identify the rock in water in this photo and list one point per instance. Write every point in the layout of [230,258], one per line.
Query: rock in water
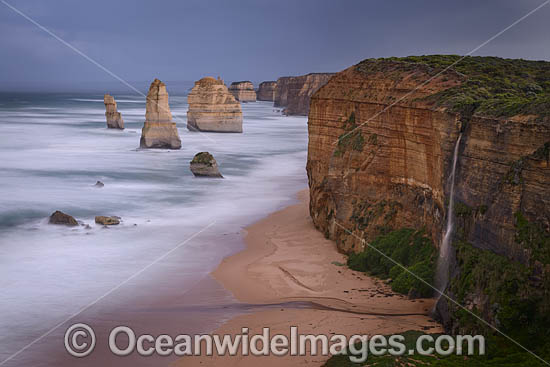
[213,108]
[59,217]
[243,91]
[204,165]
[159,131]
[114,118]
[266,91]
[99,184]
[107,221]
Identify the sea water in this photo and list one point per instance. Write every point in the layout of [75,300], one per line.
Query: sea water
[55,147]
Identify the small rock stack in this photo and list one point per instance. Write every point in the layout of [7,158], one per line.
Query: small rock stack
[243,91]
[114,119]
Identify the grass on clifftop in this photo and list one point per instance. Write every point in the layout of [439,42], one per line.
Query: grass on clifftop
[493,86]
[413,249]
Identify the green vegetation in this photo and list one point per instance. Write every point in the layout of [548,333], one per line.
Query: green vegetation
[499,354]
[490,86]
[351,138]
[203,158]
[413,249]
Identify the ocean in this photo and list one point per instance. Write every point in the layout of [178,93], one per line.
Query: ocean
[55,147]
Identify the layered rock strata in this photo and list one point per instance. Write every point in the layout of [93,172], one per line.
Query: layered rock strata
[243,91]
[266,91]
[380,154]
[213,108]
[159,131]
[114,118]
[204,165]
[293,93]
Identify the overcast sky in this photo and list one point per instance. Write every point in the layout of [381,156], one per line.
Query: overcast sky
[183,40]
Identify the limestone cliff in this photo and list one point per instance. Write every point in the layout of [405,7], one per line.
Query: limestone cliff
[159,131]
[380,153]
[294,92]
[243,91]
[213,108]
[114,118]
[266,91]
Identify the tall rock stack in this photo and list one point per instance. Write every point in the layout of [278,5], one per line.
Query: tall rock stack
[266,91]
[213,108]
[243,91]
[114,119]
[159,131]
[294,92]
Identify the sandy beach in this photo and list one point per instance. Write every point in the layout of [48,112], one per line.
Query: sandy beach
[287,261]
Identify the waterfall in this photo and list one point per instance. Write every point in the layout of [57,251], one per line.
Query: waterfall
[442,272]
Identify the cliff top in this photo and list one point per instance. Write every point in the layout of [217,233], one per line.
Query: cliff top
[488,86]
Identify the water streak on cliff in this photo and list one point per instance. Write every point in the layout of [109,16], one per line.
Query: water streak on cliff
[442,273]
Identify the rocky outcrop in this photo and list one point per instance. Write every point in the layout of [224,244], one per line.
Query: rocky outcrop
[266,91]
[243,91]
[380,153]
[107,221]
[58,217]
[114,118]
[294,92]
[159,131]
[204,165]
[213,108]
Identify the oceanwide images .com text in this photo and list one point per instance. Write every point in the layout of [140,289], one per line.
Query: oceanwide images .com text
[80,342]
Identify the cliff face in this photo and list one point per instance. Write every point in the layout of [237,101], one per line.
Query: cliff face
[266,91]
[380,154]
[294,92]
[159,131]
[114,118]
[213,108]
[243,91]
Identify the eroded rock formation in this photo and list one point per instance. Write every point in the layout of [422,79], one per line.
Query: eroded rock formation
[213,108]
[266,91]
[204,165]
[294,92]
[243,91]
[114,118]
[107,221]
[159,131]
[380,154]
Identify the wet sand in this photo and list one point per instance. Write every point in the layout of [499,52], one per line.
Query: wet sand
[287,260]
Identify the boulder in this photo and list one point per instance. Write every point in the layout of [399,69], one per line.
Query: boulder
[58,217]
[266,91]
[213,108]
[114,118]
[204,165]
[107,221]
[99,184]
[159,131]
[243,91]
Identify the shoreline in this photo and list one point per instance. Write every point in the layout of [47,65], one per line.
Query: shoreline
[287,262]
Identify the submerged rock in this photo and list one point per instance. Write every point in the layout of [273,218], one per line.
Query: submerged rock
[266,91]
[204,165]
[243,91]
[114,118]
[99,184]
[107,221]
[58,217]
[159,131]
[213,108]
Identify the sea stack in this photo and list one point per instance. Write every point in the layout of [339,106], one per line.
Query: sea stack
[114,118]
[159,131]
[204,165]
[213,108]
[243,91]
[266,91]
[294,92]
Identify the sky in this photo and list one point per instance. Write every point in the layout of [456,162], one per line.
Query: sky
[184,40]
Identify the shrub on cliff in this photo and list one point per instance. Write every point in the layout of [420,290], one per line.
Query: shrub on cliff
[408,247]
